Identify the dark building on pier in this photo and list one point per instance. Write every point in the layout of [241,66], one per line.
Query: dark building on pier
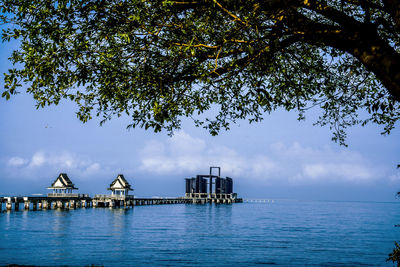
[218,187]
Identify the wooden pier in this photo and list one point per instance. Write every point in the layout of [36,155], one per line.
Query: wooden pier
[63,197]
[113,201]
[73,201]
[63,201]
[105,201]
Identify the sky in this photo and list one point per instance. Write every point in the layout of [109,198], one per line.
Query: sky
[279,158]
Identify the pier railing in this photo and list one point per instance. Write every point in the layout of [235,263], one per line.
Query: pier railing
[67,195]
[116,197]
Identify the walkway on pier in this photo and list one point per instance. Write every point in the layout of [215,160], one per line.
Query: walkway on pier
[73,201]
[258,200]
[81,201]
[46,202]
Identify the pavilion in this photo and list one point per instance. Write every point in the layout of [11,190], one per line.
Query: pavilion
[62,185]
[120,186]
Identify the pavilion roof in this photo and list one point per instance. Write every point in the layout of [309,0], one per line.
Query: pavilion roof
[62,182]
[120,183]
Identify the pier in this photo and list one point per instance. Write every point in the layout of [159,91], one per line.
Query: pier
[62,197]
[258,200]
[49,203]
[46,202]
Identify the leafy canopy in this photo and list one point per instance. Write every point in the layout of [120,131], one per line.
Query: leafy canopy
[159,61]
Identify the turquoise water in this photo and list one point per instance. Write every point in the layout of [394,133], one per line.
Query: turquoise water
[285,233]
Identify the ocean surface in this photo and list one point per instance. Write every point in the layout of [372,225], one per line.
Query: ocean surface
[282,233]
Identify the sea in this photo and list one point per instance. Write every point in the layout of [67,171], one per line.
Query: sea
[278,233]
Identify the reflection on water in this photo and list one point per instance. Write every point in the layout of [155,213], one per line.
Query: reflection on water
[312,233]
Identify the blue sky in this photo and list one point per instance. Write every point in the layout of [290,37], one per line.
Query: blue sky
[277,158]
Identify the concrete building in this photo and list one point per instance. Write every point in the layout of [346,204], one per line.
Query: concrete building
[220,189]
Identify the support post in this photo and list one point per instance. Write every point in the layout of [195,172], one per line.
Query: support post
[34,205]
[9,203]
[45,204]
[16,206]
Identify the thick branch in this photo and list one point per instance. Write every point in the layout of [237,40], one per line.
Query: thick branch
[362,41]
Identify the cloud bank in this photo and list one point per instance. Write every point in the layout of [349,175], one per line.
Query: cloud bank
[292,163]
[185,155]
[46,162]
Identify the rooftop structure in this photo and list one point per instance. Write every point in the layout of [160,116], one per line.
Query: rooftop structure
[120,186]
[119,194]
[62,185]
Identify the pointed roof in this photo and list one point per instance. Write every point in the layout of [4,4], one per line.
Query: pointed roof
[62,182]
[120,183]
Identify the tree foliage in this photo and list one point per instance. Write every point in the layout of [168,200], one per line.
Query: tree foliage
[159,61]
[394,256]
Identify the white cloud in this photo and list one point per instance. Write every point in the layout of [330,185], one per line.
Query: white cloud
[293,163]
[45,162]
[38,159]
[325,164]
[184,153]
[93,168]
[16,161]
[348,171]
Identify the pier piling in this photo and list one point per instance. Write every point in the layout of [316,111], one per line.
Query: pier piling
[9,204]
